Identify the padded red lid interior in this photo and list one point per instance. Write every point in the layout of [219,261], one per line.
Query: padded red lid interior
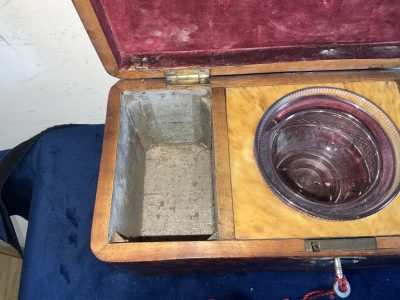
[174,33]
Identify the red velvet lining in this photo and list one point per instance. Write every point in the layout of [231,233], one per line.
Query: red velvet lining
[167,33]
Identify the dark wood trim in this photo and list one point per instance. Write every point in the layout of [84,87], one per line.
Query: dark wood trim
[234,249]
[271,68]
[271,79]
[304,77]
[258,264]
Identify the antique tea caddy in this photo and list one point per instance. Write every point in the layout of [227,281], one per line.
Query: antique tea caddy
[179,181]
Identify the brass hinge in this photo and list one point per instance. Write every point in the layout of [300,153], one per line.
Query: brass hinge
[187,76]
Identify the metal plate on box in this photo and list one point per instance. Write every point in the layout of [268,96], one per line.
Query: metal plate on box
[342,244]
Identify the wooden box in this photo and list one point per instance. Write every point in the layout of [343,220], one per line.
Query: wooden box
[178,181]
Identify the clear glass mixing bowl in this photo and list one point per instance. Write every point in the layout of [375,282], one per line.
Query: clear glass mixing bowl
[329,153]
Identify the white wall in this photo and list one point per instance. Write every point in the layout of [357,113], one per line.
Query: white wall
[49,71]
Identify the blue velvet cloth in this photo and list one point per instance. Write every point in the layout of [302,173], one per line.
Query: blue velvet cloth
[58,178]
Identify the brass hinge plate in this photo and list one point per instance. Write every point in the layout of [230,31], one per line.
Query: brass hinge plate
[188,77]
[342,244]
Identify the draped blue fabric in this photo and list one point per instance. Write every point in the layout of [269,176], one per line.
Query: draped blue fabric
[55,186]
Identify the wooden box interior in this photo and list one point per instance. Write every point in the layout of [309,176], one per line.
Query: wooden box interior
[248,220]
[242,219]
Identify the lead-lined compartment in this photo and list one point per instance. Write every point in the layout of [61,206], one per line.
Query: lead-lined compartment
[163,185]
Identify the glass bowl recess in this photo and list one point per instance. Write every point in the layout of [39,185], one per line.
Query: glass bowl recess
[329,153]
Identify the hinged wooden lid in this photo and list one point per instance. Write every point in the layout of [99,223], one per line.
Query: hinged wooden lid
[144,38]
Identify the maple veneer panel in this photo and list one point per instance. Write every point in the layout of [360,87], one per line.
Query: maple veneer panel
[258,212]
